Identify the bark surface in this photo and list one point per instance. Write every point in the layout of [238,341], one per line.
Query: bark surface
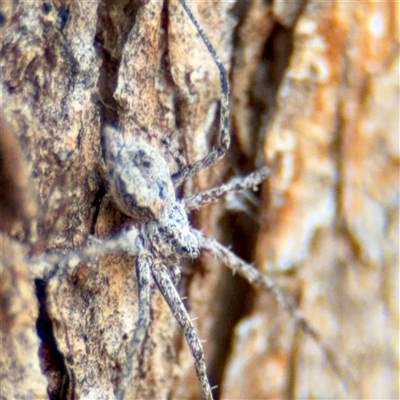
[314,94]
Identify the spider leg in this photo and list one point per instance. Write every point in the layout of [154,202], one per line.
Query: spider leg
[263,282]
[201,199]
[189,170]
[143,273]
[128,240]
[164,282]
[246,271]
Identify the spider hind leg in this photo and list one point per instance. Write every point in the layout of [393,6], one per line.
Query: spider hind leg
[170,294]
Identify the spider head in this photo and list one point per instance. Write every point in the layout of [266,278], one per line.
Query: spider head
[170,235]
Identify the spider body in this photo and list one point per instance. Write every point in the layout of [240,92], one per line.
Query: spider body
[141,186]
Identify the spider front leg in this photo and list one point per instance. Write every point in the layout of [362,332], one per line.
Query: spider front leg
[127,240]
[143,273]
[263,282]
[224,140]
[170,294]
[202,199]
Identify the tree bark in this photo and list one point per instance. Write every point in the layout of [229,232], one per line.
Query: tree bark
[314,94]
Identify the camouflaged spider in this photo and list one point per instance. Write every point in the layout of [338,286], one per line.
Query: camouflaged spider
[141,185]
[143,188]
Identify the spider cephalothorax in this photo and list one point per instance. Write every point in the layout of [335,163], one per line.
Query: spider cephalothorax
[171,235]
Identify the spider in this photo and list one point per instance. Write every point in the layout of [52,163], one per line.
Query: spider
[142,186]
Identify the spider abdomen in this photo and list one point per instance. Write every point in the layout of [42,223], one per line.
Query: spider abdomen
[139,177]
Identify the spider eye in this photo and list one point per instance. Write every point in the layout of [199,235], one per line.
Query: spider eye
[185,249]
[142,159]
[162,186]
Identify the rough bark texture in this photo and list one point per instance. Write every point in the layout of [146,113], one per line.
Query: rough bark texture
[315,94]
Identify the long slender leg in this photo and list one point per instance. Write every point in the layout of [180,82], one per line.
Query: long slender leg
[128,240]
[246,271]
[164,282]
[143,273]
[186,172]
[263,282]
[201,199]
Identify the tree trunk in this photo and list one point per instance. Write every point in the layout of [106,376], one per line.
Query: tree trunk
[314,94]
